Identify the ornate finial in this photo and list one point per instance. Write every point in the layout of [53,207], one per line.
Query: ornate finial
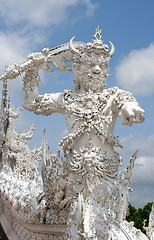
[96,47]
[97,36]
[5,90]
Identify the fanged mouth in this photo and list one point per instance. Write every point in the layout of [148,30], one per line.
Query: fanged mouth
[94,79]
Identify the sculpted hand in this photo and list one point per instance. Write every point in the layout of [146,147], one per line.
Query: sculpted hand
[39,60]
[131,113]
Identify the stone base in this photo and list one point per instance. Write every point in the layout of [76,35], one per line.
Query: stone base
[17,230]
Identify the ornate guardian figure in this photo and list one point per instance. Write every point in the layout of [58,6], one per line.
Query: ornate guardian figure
[86,186]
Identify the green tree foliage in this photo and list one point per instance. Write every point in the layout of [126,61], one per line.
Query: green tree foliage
[139,216]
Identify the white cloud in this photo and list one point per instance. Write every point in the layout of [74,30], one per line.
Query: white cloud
[38,12]
[143,171]
[90,7]
[136,71]
[13,49]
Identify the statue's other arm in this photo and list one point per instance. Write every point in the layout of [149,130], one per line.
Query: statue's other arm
[129,110]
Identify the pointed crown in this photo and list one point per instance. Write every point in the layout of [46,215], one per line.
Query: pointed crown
[96,46]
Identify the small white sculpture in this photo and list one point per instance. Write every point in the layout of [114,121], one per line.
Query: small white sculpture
[150,228]
[85,190]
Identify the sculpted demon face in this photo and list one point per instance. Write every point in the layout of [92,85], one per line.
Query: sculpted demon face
[91,71]
[90,63]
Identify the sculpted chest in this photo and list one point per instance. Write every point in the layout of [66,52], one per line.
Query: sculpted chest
[89,114]
[88,109]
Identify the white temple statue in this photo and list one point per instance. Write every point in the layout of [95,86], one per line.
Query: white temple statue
[82,196]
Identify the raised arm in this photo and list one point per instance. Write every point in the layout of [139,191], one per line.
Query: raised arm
[31,88]
[129,110]
[32,101]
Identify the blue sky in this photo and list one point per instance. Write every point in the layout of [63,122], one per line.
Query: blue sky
[29,26]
